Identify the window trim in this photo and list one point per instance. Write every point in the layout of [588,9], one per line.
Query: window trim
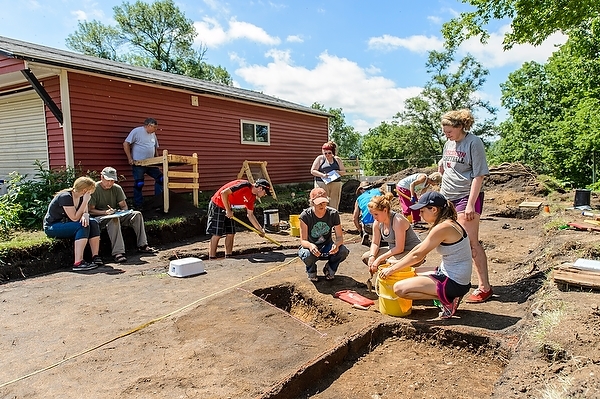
[255,123]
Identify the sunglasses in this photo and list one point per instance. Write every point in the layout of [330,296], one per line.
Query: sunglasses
[327,152]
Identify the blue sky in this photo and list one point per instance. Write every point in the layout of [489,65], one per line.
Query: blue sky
[363,57]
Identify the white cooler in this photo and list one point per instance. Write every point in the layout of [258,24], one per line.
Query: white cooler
[186,267]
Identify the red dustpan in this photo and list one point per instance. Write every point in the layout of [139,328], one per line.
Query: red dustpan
[354,298]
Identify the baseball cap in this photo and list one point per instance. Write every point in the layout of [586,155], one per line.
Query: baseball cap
[364,185]
[110,173]
[318,196]
[264,183]
[430,198]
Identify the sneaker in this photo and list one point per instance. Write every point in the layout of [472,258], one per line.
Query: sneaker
[365,240]
[449,309]
[83,265]
[313,277]
[479,296]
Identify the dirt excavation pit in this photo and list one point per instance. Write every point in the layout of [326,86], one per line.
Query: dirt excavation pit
[379,347]
[300,307]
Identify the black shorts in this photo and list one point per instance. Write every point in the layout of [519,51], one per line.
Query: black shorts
[218,223]
[448,289]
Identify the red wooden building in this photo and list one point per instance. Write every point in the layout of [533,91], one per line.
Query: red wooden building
[68,109]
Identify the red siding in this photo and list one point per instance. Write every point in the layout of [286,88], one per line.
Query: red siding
[103,112]
[8,65]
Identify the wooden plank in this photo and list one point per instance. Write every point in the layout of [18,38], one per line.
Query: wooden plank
[526,204]
[182,159]
[584,226]
[150,161]
[185,175]
[189,186]
[578,277]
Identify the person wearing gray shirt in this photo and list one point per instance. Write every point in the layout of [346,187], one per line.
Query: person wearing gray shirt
[140,144]
[463,167]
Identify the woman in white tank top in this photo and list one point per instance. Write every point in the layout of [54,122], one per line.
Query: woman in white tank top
[452,278]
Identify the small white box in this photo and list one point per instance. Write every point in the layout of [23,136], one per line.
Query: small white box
[186,267]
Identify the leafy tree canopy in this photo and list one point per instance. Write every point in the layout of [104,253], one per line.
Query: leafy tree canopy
[415,138]
[345,136]
[554,109]
[156,35]
[532,20]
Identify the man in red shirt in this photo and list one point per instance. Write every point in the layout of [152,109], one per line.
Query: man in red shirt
[237,193]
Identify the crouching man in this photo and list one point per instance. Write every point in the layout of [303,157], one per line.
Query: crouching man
[108,205]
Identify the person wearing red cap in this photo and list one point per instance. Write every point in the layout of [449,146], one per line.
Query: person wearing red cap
[317,227]
[327,169]
[236,193]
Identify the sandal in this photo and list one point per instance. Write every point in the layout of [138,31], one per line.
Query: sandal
[120,258]
[97,260]
[146,249]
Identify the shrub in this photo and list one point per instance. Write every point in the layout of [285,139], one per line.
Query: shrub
[29,198]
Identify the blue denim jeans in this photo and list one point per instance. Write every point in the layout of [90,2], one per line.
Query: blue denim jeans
[73,230]
[333,260]
[138,182]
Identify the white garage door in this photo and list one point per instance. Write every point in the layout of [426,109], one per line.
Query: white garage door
[22,134]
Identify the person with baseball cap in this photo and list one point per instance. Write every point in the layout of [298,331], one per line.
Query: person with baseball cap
[108,199]
[362,218]
[449,281]
[318,224]
[236,193]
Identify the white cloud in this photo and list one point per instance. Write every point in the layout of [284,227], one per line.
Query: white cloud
[212,34]
[417,43]
[294,39]
[215,5]
[80,15]
[492,55]
[246,30]
[334,82]
[435,20]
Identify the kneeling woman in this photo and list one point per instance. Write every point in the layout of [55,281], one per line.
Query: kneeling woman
[452,278]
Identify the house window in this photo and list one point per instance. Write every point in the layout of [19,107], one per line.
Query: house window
[255,133]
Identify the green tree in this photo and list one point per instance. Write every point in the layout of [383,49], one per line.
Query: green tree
[554,110]
[345,136]
[390,147]
[446,90]
[532,20]
[156,35]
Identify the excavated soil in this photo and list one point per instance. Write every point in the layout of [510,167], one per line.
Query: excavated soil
[253,326]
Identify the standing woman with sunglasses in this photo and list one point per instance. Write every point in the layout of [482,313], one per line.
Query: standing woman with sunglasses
[328,169]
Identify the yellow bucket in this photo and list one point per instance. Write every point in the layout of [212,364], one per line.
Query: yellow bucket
[389,303]
[295,231]
[295,221]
